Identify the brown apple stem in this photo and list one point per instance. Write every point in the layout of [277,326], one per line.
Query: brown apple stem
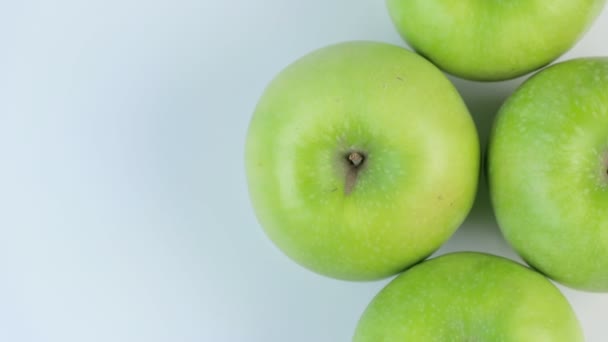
[355,161]
[355,158]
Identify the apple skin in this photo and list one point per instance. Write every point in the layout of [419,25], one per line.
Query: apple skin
[415,187]
[492,40]
[547,168]
[469,296]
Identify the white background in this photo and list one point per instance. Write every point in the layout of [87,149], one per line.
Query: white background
[124,213]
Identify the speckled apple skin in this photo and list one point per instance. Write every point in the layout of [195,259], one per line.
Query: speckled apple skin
[472,297]
[547,166]
[420,174]
[492,40]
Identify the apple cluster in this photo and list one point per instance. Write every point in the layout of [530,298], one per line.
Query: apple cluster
[362,160]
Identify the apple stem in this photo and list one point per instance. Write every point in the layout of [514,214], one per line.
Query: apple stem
[355,160]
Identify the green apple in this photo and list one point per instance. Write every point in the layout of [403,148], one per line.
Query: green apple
[547,167]
[491,40]
[361,160]
[469,297]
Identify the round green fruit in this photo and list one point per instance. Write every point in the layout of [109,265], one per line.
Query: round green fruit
[548,172]
[469,297]
[361,160]
[491,40]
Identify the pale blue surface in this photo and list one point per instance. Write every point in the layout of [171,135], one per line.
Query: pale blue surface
[123,207]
